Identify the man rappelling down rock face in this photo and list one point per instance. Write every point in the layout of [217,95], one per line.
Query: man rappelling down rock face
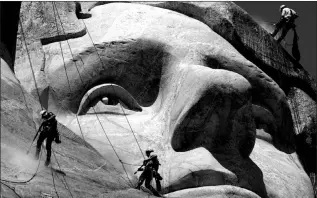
[286,22]
[48,131]
[151,166]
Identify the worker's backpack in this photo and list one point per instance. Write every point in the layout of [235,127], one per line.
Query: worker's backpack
[294,15]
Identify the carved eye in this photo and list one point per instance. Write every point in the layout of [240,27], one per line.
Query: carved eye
[108,94]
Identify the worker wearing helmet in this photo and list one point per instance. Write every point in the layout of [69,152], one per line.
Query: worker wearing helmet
[286,22]
[155,164]
[48,131]
[150,170]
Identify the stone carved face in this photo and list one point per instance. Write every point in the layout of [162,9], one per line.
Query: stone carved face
[184,92]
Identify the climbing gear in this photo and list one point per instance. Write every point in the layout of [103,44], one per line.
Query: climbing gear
[285,23]
[42,112]
[150,171]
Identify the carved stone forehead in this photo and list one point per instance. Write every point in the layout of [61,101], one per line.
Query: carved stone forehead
[132,36]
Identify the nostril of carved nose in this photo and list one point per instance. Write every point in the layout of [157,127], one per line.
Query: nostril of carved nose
[244,130]
[215,122]
[198,126]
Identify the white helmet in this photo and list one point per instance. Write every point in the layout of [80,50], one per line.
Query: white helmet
[281,7]
[43,112]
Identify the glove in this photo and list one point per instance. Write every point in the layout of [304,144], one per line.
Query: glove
[157,176]
[58,139]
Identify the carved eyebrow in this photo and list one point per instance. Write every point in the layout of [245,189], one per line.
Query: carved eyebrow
[95,94]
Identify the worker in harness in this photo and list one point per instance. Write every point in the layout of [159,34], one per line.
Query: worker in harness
[150,170]
[48,131]
[286,22]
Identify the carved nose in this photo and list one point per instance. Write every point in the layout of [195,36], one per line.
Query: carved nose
[210,123]
[216,115]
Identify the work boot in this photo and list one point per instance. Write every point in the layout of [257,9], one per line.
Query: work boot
[138,187]
[57,139]
[158,185]
[154,192]
[37,153]
[47,162]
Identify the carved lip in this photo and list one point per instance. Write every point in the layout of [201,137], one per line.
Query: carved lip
[199,168]
[207,182]
[211,191]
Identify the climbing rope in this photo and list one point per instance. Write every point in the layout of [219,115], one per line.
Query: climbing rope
[29,58]
[11,189]
[26,181]
[36,172]
[62,175]
[54,183]
[23,35]
[113,89]
[129,163]
[28,53]
[54,6]
[66,72]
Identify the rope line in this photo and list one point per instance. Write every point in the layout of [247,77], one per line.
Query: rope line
[39,161]
[66,71]
[62,175]
[11,189]
[23,35]
[130,164]
[90,166]
[19,182]
[93,108]
[24,182]
[54,183]
[68,81]
[113,89]
[67,75]
[29,58]
[4,180]
[88,95]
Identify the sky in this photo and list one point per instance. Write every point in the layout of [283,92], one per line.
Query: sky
[267,12]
